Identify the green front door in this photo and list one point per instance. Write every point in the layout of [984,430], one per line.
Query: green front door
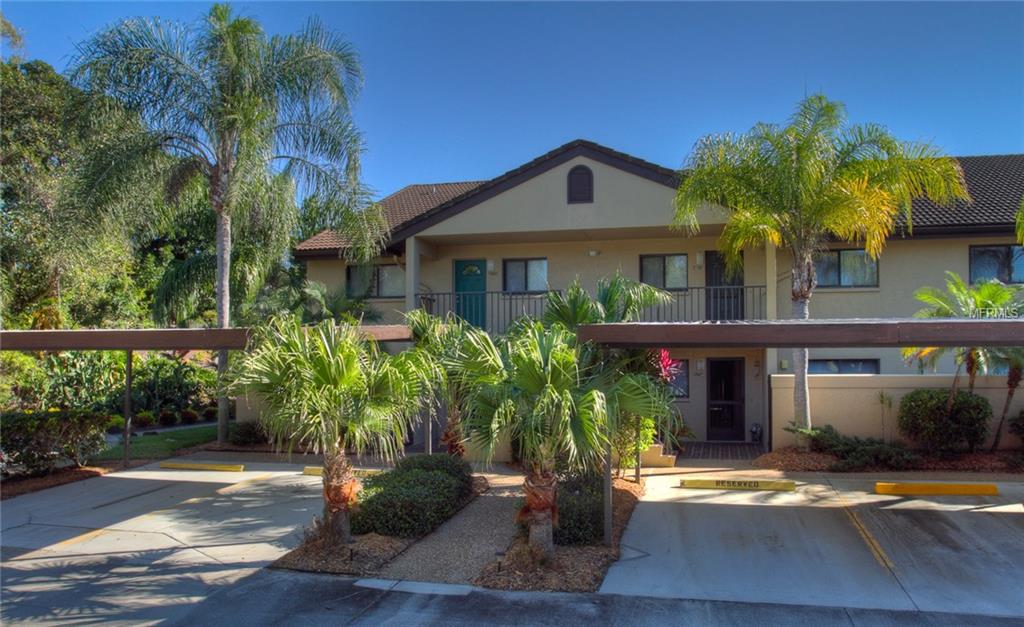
[471,290]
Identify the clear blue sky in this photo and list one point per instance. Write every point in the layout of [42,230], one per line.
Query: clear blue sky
[461,91]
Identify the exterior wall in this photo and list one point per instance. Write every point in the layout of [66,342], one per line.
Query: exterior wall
[850,403]
[331,272]
[570,259]
[621,200]
[694,409]
[905,266]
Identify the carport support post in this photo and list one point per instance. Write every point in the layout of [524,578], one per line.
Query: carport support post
[608,492]
[639,426]
[428,444]
[127,434]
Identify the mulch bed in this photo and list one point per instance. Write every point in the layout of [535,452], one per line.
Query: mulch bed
[18,485]
[794,460]
[574,568]
[366,555]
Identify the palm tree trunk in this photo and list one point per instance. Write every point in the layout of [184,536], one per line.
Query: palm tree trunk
[801,395]
[803,282]
[1013,378]
[340,490]
[223,314]
[541,511]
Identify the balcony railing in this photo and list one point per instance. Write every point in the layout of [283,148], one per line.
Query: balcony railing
[495,311]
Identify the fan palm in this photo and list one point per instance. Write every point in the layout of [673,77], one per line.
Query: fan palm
[330,389]
[802,185]
[960,300]
[441,339]
[618,299]
[234,120]
[532,388]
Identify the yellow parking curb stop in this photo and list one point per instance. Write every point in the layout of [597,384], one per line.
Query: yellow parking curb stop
[313,471]
[936,489]
[215,467]
[739,484]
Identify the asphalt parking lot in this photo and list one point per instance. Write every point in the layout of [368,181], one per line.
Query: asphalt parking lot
[832,542]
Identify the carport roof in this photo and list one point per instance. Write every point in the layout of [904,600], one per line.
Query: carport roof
[838,333]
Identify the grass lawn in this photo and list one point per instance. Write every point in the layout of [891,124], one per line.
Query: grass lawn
[161,445]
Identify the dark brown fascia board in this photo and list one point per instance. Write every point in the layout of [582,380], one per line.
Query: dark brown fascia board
[159,339]
[520,175]
[961,230]
[863,333]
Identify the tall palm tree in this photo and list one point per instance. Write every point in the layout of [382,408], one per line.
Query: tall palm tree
[960,300]
[330,389]
[1013,359]
[531,387]
[801,185]
[1020,222]
[234,120]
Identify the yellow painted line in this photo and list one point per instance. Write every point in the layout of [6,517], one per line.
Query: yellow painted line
[876,549]
[190,466]
[779,485]
[313,471]
[88,535]
[936,489]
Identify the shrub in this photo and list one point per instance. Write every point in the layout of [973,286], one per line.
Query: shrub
[189,417]
[455,467]
[84,380]
[22,382]
[210,412]
[406,503]
[143,419]
[167,418]
[171,383]
[856,453]
[115,424]
[580,510]
[923,418]
[36,442]
[625,439]
[246,433]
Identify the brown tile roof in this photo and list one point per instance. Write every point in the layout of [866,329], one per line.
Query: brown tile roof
[407,203]
[996,186]
[995,183]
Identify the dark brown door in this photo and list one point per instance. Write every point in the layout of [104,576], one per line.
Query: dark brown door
[724,291]
[725,399]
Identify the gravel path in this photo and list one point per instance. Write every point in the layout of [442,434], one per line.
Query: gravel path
[459,549]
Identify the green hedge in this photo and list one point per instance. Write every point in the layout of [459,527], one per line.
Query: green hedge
[925,419]
[580,510]
[456,467]
[407,503]
[35,442]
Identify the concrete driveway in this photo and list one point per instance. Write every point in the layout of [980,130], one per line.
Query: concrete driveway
[831,543]
[131,546]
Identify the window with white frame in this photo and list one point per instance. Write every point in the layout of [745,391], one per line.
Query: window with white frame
[843,366]
[525,275]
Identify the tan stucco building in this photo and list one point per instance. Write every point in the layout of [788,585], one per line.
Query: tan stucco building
[489,250]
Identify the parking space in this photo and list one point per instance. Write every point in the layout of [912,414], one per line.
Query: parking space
[137,545]
[831,542]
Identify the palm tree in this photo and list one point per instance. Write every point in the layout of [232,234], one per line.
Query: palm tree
[1013,359]
[618,299]
[330,389]
[801,185]
[234,120]
[960,300]
[1020,222]
[532,387]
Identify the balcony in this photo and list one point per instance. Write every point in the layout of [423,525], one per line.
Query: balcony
[495,311]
